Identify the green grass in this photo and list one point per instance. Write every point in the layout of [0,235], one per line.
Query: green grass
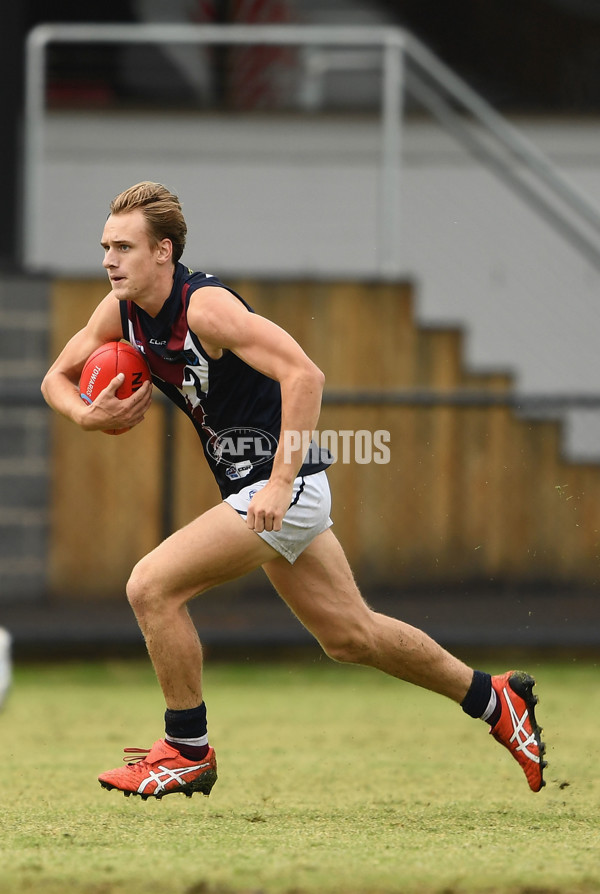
[332,779]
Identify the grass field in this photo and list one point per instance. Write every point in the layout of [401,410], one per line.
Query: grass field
[332,779]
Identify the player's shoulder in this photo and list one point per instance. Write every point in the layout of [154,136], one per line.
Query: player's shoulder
[107,317]
[206,289]
[207,295]
[213,310]
[198,279]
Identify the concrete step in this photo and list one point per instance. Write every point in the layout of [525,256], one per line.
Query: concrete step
[24,433]
[24,465]
[23,336]
[24,437]
[24,293]
[23,371]
[23,535]
[19,318]
[22,577]
[24,342]
[23,493]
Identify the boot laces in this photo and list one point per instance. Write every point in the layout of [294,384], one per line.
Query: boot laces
[135,755]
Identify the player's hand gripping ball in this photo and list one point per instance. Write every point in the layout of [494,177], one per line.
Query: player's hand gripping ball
[104,364]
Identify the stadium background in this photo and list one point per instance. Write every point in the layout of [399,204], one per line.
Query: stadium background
[485,528]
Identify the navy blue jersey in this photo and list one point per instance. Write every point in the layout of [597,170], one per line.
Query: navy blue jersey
[235,409]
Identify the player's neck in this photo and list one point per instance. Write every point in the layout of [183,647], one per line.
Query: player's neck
[153,299]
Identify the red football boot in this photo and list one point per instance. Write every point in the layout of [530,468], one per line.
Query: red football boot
[517,729]
[161,770]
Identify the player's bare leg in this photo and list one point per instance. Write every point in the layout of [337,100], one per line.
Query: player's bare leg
[212,549]
[321,591]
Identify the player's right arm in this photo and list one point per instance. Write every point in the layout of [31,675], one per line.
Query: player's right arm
[60,386]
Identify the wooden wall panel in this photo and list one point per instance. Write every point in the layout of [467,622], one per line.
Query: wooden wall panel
[106,490]
[470,492]
[195,489]
[105,507]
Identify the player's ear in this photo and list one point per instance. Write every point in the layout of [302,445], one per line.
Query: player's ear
[164,251]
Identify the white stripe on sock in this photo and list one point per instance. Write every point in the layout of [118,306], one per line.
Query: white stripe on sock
[196,743]
[491,705]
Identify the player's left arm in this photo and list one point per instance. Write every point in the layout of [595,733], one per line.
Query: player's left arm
[222,322]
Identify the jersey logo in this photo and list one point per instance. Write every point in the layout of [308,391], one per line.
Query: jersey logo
[188,357]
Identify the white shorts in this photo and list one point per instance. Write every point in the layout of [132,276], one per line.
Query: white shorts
[307,516]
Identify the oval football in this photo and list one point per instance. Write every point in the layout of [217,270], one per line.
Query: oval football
[104,364]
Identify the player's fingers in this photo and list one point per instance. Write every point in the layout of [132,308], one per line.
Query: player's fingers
[270,521]
[140,400]
[144,395]
[255,520]
[273,522]
[114,385]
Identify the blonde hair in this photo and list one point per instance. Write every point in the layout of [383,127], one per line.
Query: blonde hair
[161,209]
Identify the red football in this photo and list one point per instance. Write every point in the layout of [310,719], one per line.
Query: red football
[104,364]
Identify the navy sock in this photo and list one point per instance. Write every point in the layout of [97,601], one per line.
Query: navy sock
[480,700]
[187,731]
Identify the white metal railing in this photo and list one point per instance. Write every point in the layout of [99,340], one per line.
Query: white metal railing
[389,41]
[513,157]
[404,60]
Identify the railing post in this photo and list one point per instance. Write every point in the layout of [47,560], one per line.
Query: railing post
[391,141]
[33,181]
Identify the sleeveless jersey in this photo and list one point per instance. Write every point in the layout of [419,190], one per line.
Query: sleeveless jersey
[235,409]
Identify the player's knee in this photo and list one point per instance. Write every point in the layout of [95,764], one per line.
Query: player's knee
[151,594]
[142,590]
[351,645]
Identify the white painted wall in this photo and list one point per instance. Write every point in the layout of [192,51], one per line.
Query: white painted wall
[299,196]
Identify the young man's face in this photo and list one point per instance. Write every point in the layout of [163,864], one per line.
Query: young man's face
[130,259]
